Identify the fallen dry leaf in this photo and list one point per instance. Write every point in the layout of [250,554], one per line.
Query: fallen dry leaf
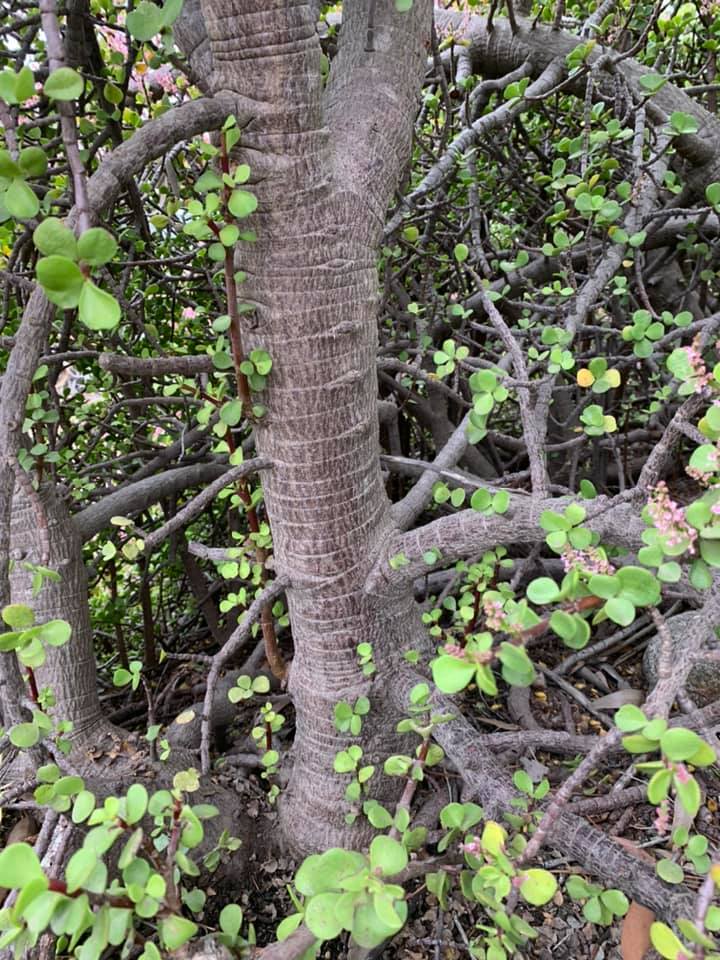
[635,933]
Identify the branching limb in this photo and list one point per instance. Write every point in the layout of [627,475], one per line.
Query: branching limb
[232,645]
[195,507]
[468,532]
[576,839]
[137,496]
[124,366]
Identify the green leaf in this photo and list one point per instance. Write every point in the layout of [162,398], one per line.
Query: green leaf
[175,930]
[517,668]
[56,633]
[603,586]
[52,237]
[388,855]
[145,21]
[136,803]
[18,616]
[24,735]
[320,915]
[33,161]
[8,168]
[231,412]
[543,590]
[461,252]
[615,901]
[83,806]
[652,82]
[682,123]
[659,786]
[688,792]
[669,871]
[403,5]
[242,203]
[231,918]
[712,194]
[96,246]
[171,11]
[638,586]
[620,610]
[637,743]
[679,744]
[19,865]
[98,310]
[64,84]
[327,871]
[538,886]
[20,200]
[452,675]
[79,868]
[368,930]
[61,280]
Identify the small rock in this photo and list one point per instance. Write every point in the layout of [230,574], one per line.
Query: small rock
[703,682]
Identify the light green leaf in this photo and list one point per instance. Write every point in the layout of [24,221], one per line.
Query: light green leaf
[387,854]
[52,237]
[96,246]
[175,931]
[64,84]
[19,865]
[98,309]
[242,203]
[20,200]
[145,21]
[61,280]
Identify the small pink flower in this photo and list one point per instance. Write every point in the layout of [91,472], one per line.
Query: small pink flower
[590,560]
[494,614]
[472,847]
[669,518]
[681,773]
[453,650]
[700,372]
[662,820]
[189,313]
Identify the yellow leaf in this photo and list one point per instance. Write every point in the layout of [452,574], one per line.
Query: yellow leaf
[613,377]
[493,838]
[585,378]
[610,424]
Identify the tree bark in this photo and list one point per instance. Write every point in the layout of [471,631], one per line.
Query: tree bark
[68,670]
[312,278]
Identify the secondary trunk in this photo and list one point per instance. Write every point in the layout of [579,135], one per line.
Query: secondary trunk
[69,670]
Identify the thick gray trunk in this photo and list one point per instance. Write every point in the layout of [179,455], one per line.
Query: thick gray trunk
[68,670]
[312,277]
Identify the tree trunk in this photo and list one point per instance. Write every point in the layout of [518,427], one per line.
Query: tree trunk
[69,670]
[312,278]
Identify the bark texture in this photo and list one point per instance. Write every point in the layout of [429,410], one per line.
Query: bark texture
[69,670]
[323,176]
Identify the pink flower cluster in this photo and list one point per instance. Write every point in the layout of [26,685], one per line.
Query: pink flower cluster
[669,518]
[590,560]
[162,77]
[494,614]
[700,373]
